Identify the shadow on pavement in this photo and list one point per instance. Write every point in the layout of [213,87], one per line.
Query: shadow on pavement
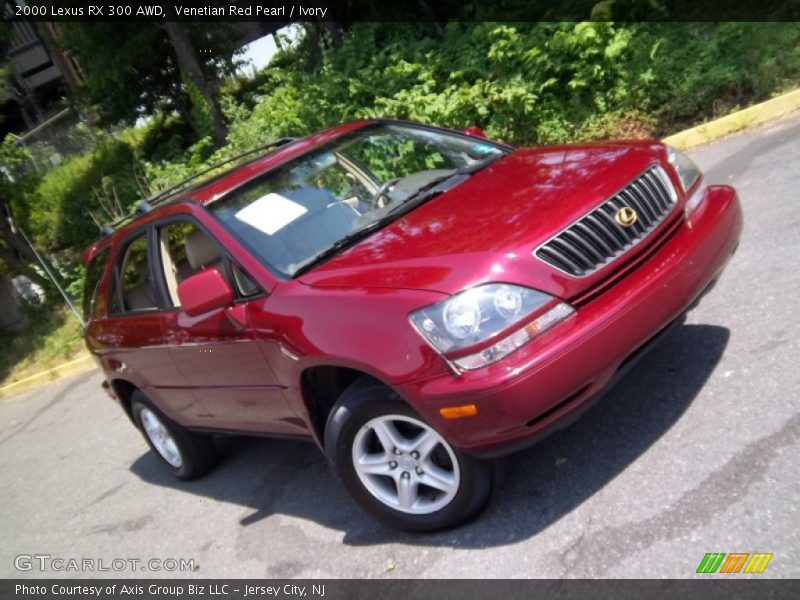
[540,485]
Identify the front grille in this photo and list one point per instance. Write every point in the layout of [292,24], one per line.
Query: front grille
[596,239]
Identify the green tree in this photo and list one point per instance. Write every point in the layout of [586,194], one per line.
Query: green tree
[140,69]
[192,70]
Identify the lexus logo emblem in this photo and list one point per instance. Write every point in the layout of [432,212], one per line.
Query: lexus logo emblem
[626,216]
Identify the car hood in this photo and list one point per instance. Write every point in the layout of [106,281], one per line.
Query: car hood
[486,228]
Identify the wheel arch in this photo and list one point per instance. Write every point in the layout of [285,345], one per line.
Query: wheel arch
[123,390]
[321,387]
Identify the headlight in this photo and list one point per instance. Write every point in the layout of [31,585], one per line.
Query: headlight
[687,170]
[480,313]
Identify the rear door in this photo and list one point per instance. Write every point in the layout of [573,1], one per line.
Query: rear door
[130,339]
[216,352]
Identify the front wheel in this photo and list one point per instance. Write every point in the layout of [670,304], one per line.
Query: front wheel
[397,467]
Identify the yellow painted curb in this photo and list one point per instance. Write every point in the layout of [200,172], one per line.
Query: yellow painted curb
[748,117]
[73,367]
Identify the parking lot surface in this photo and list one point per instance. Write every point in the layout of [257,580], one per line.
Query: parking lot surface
[694,451]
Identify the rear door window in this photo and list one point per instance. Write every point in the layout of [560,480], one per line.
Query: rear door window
[136,289]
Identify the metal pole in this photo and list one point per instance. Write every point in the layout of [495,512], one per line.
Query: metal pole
[52,278]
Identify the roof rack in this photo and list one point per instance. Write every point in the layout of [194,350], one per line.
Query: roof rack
[151,202]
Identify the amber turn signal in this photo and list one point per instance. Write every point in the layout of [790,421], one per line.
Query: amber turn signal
[456,412]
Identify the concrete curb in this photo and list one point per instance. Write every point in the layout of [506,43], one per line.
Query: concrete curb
[79,365]
[743,119]
[696,136]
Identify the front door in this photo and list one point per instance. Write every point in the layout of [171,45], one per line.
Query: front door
[216,352]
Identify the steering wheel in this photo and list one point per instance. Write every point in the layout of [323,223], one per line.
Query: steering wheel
[381,192]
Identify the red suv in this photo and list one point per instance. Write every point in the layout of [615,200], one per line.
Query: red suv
[414,300]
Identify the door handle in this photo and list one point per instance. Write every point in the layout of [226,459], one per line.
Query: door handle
[110,339]
[176,338]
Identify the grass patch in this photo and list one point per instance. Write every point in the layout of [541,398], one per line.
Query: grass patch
[51,337]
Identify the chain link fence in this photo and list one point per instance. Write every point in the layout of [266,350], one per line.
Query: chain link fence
[56,139]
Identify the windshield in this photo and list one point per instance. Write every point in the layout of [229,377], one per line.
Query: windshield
[322,200]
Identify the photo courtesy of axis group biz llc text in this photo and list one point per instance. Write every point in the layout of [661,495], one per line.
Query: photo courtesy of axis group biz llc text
[168,589]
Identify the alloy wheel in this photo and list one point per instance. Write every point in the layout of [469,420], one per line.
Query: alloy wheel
[161,438]
[405,464]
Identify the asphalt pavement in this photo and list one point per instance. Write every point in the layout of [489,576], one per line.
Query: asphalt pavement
[694,451]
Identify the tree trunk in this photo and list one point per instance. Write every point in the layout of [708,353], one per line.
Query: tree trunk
[187,60]
[314,46]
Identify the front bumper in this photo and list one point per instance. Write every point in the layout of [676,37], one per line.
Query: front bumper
[552,378]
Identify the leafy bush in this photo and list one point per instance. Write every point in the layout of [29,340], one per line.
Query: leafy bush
[164,137]
[61,205]
[695,71]
[526,83]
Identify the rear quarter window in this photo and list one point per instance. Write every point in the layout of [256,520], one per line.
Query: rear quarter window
[91,286]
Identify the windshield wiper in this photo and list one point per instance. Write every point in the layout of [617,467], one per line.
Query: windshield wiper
[341,244]
[465,170]
[423,194]
[434,187]
[481,164]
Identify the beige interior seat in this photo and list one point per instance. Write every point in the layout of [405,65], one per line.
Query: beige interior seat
[142,296]
[201,252]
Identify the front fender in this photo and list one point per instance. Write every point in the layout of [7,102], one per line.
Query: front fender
[363,329]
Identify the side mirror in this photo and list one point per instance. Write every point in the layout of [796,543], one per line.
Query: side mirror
[474,131]
[204,291]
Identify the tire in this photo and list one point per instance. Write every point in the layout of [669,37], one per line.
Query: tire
[392,487]
[185,454]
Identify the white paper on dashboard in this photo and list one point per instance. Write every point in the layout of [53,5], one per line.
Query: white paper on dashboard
[271,213]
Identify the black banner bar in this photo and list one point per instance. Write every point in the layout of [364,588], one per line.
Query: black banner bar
[348,11]
[711,588]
